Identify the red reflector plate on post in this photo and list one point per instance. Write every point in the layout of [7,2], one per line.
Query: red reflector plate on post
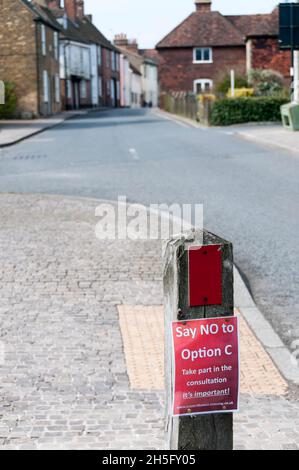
[205,275]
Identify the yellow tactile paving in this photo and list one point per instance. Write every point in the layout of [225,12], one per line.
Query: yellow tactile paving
[143,336]
[142,330]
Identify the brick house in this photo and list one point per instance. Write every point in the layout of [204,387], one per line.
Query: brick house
[29,55]
[207,45]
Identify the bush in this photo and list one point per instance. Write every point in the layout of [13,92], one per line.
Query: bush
[8,110]
[240,110]
[266,82]
[224,84]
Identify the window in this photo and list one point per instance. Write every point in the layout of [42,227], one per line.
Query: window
[61,3]
[203,85]
[108,61]
[69,89]
[46,86]
[202,55]
[56,44]
[44,42]
[100,87]
[57,88]
[83,89]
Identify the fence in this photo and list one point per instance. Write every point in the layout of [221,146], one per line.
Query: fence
[197,108]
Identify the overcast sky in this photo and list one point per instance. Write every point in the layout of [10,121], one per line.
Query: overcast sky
[150,20]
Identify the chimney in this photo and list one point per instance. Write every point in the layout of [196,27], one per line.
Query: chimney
[121,40]
[89,17]
[80,9]
[71,9]
[204,6]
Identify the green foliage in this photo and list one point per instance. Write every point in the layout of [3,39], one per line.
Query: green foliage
[223,86]
[240,110]
[8,110]
[266,82]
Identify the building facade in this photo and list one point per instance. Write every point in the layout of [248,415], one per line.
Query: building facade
[29,56]
[89,62]
[139,74]
[207,45]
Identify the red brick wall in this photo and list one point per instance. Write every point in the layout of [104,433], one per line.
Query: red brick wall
[71,8]
[177,71]
[266,55]
[107,75]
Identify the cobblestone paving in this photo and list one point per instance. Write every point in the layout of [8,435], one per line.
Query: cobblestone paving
[63,381]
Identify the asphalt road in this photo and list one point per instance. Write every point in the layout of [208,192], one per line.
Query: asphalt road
[250,193]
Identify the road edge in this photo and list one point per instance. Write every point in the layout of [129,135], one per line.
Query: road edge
[284,360]
[49,126]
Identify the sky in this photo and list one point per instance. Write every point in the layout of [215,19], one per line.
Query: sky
[148,21]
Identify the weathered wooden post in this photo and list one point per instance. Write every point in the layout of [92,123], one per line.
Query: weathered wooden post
[209,431]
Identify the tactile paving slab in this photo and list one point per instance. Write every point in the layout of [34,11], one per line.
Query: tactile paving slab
[142,329]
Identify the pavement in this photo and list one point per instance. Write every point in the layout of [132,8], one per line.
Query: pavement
[14,131]
[249,190]
[269,135]
[66,380]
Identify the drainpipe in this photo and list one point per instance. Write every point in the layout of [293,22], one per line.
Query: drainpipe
[67,43]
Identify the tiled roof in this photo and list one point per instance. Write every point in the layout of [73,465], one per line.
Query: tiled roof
[82,31]
[43,14]
[257,25]
[214,29]
[135,60]
[150,55]
[203,29]
[93,35]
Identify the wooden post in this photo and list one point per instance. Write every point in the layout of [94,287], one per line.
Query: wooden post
[203,432]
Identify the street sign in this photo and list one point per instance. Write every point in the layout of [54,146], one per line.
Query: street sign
[289,26]
[206,366]
[205,275]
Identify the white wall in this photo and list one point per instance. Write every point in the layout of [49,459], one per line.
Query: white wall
[150,83]
[125,81]
[136,90]
[78,60]
[94,75]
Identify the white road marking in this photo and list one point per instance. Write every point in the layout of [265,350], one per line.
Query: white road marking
[134,154]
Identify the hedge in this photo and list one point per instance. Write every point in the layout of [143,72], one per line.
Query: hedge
[240,110]
[8,110]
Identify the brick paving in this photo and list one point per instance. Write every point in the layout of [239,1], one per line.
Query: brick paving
[63,381]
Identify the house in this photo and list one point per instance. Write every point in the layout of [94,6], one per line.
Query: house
[143,78]
[89,62]
[130,82]
[207,44]
[29,55]
[261,34]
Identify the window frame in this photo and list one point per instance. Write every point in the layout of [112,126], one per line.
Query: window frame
[202,81]
[43,39]
[46,84]
[209,61]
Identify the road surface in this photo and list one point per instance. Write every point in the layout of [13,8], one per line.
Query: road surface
[250,192]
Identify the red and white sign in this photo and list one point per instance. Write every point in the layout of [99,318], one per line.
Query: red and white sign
[206,366]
